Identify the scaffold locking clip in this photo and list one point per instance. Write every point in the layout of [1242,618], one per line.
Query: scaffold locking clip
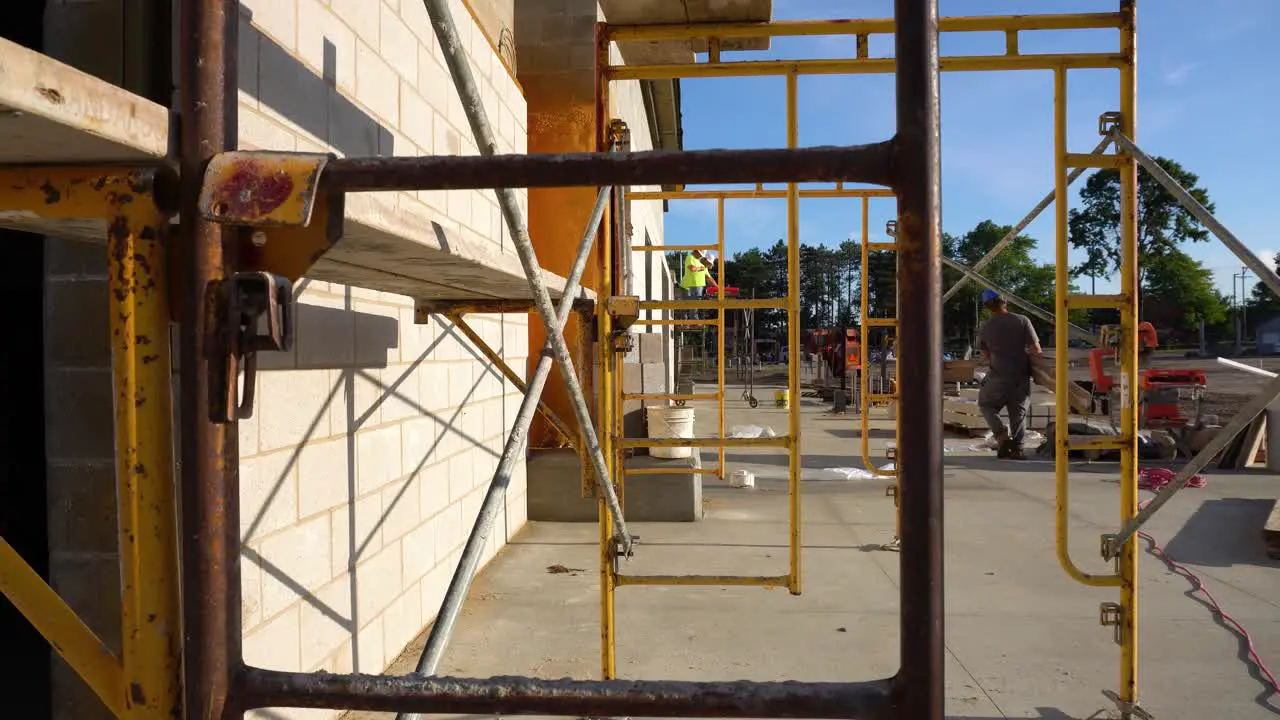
[258,311]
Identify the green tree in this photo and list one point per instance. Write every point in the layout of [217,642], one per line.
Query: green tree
[1179,292]
[1013,269]
[1163,223]
[1262,303]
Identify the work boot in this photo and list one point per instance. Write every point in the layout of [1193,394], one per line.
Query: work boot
[1001,439]
[1009,451]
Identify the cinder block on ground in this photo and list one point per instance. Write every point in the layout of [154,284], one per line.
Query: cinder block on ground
[555,494]
[643,377]
[648,348]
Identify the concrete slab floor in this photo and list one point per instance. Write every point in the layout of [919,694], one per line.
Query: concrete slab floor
[1023,639]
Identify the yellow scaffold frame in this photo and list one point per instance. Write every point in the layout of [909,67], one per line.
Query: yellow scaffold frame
[1125,613]
[144,682]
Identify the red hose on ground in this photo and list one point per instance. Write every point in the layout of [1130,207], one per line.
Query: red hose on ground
[1153,479]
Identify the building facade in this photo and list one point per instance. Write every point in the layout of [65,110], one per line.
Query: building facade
[374,439]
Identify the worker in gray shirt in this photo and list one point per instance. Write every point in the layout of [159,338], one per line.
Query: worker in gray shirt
[1009,343]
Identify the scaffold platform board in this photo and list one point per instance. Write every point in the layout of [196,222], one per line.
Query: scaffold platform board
[53,114]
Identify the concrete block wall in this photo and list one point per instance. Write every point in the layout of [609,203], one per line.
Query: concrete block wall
[374,441]
[651,276]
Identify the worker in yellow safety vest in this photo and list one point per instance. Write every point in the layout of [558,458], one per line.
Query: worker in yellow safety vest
[694,280]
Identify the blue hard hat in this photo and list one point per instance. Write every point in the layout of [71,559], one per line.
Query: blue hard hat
[988,295]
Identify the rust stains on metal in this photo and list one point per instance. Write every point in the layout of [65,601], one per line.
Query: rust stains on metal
[136,695]
[530,696]
[50,94]
[51,193]
[251,189]
[858,163]
[262,188]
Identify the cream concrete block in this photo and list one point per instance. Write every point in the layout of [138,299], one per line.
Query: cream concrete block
[368,528]
[377,328]
[414,14]
[325,475]
[377,87]
[401,391]
[295,562]
[356,14]
[448,426]
[470,507]
[461,382]
[293,407]
[473,425]
[482,215]
[418,443]
[248,434]
[506,128]
[370,648]
[436,200]
[268,494]
[327,44]
[397,45]
[378,581]
[325,622]
[274,644]
[517,512]
[434,83]
[416,340]
[402,509]
[460,205]
[325,333]
[433,489]
[433,588]
[357,401]
[494,425]
[402,620]
[277,18]
[417,119]
[418,551]
[377,457]
[449,532]
[461,475]
[341,661]
[250,594]
[341,541]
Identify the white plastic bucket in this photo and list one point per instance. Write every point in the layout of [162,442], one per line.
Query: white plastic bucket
[670,422]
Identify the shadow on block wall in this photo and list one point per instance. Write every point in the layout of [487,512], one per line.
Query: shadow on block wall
[283,83]
[333,328]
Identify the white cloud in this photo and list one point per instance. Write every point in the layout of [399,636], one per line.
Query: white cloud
[1177,74]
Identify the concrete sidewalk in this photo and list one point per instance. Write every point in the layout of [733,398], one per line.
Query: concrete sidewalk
[1023,639]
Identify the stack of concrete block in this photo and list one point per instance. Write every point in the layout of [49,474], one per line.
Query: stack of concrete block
[645,369]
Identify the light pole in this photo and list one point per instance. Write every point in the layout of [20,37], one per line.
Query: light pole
[1237,304]
[1244,301]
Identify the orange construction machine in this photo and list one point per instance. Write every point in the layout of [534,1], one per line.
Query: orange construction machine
[1160,389]
[837,349]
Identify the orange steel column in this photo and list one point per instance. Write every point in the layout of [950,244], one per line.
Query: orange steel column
[565,115]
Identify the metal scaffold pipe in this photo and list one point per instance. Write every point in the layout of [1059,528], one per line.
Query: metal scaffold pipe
[465,573]
[1023,303]
[1016,230]
[459,68]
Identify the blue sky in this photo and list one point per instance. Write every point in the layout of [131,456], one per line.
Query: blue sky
[1208,98]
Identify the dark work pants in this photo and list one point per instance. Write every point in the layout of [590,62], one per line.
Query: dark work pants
[1013,396]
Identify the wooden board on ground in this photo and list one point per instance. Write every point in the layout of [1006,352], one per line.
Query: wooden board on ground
[51,113]
[1271,532]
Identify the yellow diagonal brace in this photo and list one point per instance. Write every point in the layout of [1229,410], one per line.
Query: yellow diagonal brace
[560,425]
[65,631]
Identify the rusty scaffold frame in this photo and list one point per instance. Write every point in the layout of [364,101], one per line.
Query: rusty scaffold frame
[232,299]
